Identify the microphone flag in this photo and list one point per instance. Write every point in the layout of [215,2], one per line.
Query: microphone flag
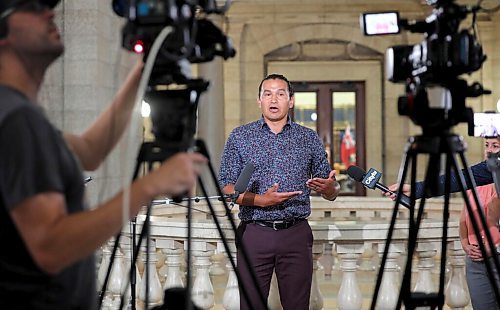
[371,178]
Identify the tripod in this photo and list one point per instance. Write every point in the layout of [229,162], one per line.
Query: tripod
[150,153]
[435,146]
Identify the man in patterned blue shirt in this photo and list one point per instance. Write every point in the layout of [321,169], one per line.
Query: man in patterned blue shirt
[290,162]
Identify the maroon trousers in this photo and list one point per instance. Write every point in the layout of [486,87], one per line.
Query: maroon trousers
[288,252]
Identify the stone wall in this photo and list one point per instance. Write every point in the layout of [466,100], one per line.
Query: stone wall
[82,82]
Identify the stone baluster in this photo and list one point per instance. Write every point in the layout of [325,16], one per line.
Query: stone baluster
[217,260]
[367,258]
[425,253]
[172,273]
[349,296]
[273,300]
[316,299]
[103,267]
[155,293]
[327,260]
[107,303]
[389,288]
[118,277]
[127,261]
[202,290]
[231,298]
[173,263]
[457,293]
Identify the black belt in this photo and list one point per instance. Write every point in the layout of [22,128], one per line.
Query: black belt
[278,225]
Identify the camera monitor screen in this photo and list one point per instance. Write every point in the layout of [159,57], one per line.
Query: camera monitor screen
[380,23]
[486,124]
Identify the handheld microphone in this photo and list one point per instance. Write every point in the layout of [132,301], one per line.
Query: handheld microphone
[242,181]
[370,180]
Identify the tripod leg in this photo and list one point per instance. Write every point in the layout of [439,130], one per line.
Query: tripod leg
[405,163]
[413,226]
[263,302]
[116,244]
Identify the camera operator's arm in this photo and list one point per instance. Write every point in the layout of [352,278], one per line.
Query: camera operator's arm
[480,173]
[98,140]
[56,239]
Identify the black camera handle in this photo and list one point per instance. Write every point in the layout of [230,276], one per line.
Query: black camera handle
[450,145]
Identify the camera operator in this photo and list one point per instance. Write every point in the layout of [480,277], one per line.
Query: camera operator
[480,288]
[494,214]
[48,233]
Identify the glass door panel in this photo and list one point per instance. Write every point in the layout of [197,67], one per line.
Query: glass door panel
[304,112]
[344,136]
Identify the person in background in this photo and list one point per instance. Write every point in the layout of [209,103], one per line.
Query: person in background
[290,162]
[47,231]
[480,288]
[494,213]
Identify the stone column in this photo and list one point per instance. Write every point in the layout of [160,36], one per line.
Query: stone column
[211,106]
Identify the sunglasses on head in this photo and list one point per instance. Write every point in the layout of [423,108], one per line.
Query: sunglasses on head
[31,6]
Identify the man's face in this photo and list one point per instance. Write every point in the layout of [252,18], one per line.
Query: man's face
[491,146]
[274,100]
[33,33]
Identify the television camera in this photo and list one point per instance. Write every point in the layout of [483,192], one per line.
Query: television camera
[435,96]
[172,93]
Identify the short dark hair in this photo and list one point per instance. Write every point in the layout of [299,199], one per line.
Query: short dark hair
[275,76]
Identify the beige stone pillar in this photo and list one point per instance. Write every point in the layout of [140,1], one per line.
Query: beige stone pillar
[211,106]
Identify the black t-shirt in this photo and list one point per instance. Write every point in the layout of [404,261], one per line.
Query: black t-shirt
[34,159]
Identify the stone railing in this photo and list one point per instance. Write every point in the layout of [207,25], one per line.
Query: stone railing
[352,231]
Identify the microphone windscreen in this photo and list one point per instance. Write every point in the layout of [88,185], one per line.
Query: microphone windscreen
[356,173]
[244,178]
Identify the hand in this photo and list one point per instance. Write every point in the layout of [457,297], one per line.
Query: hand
[328,188]
[272,197]
[176,175]
[474,252]
[395,187]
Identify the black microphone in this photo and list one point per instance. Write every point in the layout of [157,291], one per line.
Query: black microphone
[370,180]
[242,181]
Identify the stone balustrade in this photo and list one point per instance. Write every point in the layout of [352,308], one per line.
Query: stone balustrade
[352,231]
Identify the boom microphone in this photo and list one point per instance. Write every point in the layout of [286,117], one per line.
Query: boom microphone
[370,180]
[242,181]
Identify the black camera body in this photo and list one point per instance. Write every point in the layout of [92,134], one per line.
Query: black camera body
[172,93]
[436,59]
[435,96]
